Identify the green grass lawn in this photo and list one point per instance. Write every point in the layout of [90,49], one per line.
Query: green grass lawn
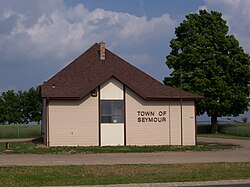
[121,174]
[235,129]
[38,148]
[20,131]
[242,130]
[228,136]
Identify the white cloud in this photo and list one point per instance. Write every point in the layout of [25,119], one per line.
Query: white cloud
[63,31]
[47,34]
[140,59]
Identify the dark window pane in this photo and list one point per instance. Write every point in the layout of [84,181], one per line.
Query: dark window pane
[117,119]
[105,107]
[112,111]
[117,107]
[106,119]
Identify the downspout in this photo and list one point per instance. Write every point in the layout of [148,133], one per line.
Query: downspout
[47,112]
[195,124]
[181,107]
[124,115]
[99,116]
[169,119]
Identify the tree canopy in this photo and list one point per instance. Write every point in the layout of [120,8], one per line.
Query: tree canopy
[20,107]
[211,63]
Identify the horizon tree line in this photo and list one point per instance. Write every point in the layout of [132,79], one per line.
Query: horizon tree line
[22,107]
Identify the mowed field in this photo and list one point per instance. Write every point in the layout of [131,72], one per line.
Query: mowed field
[235,129]
[121,174]
[109,174]
[20,131]
[240,130]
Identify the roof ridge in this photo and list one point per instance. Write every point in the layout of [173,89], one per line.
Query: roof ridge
[71,63]
[136,68]
[88,71]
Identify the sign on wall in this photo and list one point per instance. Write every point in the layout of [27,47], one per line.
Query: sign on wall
[151,116]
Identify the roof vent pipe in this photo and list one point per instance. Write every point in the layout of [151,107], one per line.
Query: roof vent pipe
[102,50]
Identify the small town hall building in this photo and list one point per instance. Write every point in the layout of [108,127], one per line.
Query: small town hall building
[100,99]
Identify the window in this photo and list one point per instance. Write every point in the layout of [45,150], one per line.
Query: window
[112,111]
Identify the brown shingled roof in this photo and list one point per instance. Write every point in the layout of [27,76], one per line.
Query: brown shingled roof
[87,72]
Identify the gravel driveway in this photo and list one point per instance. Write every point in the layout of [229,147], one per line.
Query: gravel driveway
[238,155]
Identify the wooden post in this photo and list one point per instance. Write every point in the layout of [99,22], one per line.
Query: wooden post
[7,145]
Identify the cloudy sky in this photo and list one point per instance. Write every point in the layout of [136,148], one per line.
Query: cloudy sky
[40,37]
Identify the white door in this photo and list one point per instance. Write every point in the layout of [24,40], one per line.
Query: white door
[112,134]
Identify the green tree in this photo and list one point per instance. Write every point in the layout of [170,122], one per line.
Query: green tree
[12,107]
[211,63]
[244,120]
[2,111]
[32,105]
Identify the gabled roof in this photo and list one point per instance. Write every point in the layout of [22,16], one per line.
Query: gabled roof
[87,72]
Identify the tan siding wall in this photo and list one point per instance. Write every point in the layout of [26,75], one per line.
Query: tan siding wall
[148,133]
[112,90]
[73,122]
[188,123]
[159,133]
[175,123]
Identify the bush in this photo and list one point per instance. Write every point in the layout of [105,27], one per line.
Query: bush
[235,129]
[203,129]
[245,120]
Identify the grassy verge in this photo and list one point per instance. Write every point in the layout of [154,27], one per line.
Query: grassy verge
[121,174]
[219,135]
[20,131]
[235,129]
[231,129]
[36,148]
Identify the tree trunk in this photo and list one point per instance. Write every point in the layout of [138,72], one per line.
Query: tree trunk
[214,124]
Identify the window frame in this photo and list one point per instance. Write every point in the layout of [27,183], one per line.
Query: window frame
[112,115]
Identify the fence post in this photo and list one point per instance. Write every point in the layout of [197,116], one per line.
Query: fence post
[7,145]
[18,131]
